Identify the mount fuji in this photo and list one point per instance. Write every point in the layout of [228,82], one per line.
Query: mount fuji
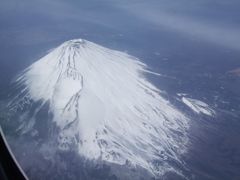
[104,106]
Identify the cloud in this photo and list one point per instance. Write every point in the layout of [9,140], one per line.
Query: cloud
[191,26]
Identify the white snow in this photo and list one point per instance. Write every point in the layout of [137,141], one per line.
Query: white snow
[198,106]
[103,103]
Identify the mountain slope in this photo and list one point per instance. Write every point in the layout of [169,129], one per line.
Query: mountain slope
[104,106]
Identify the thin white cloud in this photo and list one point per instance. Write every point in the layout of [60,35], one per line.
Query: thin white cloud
[228,37]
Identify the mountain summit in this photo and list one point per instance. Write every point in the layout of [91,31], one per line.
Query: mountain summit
[103,105]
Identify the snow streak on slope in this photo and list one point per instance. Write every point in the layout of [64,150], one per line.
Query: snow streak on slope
[102,103]
[198,106]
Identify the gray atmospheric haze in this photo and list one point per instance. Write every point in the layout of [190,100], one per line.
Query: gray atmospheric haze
[159,96]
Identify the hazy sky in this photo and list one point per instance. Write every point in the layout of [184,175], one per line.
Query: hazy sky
[215,21]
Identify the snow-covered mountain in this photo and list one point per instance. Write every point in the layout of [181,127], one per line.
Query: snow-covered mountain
[102,103]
